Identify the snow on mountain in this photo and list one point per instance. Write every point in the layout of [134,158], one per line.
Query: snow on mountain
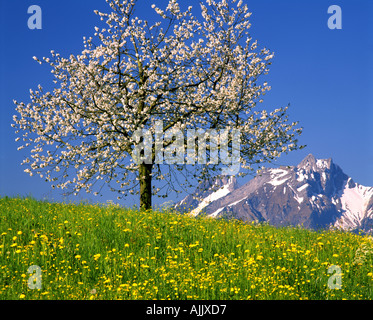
[206,193]
[315,194]
[277,176]
[354,200]
[221,192]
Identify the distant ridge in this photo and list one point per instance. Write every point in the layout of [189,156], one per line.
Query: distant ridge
[315,194]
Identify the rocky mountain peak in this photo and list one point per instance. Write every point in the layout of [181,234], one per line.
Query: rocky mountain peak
[310,163]
[315,194]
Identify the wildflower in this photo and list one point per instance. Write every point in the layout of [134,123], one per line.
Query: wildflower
[22,296]
[96,256]
[78,256]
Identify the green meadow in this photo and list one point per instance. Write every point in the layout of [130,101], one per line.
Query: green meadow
[86,251]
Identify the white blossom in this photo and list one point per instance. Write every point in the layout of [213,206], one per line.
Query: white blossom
[187,72]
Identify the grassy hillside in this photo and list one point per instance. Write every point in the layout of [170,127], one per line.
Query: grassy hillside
[107,252]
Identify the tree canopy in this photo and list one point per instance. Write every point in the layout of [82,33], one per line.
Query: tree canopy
[183,72]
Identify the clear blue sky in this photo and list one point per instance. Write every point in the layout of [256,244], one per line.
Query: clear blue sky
[326,75]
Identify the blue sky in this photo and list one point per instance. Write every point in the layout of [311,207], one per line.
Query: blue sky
[326,76]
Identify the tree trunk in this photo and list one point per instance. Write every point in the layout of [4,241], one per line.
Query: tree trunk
[145,171]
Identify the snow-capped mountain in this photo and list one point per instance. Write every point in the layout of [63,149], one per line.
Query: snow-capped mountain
[315,194]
